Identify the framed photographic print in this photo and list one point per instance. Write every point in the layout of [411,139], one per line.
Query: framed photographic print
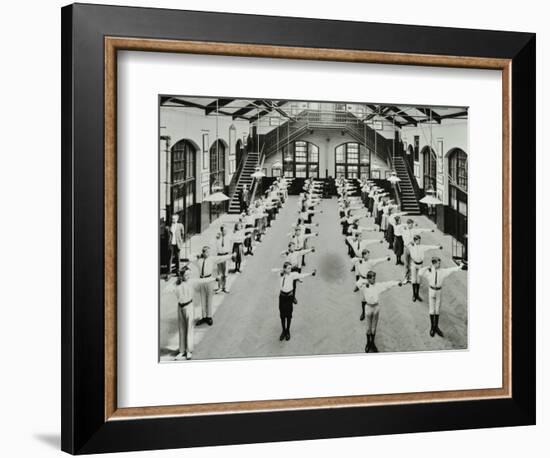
[267,274]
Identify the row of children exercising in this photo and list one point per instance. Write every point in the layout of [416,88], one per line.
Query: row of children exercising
[212,264]
[402,238]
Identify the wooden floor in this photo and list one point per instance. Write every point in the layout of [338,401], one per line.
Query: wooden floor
[326,318]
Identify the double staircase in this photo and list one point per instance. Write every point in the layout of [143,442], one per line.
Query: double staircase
[252,161]
[409,202]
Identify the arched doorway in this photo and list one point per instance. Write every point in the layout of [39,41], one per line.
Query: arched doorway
[183,185]
[457,218]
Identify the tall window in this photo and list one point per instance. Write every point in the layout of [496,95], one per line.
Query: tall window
[458,168]
[430,168]
[301,160]
[458,182]
[457,224]
[352,161]
[217,164]
[183,179]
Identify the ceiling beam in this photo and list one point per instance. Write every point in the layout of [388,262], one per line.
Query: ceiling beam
[258,115]
[383,113]
[246,109]
[216,105]
[458,114]
[275,106]
[185,103]
[268,110]
[455,115]
[405,116]
[430,113]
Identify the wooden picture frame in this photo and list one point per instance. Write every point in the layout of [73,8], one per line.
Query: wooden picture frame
[91,37]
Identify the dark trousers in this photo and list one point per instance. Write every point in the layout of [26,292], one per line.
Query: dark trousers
[286,307]
[345,226]
[398,246]
[238,251]
[174,252]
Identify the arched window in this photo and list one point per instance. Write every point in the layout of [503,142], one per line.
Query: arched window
[183,184]
[217,164]
[352,161]
[430,168]
[301,160]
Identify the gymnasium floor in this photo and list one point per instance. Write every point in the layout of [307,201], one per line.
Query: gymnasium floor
[326,318]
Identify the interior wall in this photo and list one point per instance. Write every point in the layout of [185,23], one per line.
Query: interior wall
[453,133]
[191,124]
[326,141]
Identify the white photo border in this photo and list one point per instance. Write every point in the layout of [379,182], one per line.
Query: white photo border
[144,382]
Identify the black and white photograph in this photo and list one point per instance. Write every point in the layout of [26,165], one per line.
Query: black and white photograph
[304,228]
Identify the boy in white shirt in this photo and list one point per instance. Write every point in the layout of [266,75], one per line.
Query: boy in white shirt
[371,293]
[185,289]
[435,275]
[286,296]
[362,266]
[416,253]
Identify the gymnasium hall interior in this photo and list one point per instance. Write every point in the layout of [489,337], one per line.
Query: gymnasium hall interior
[211,149]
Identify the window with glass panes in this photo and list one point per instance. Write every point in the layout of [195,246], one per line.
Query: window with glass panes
[430,167]
[458,168]
[457,222]
[301,160]
[183,178]
[352,161]
[217,164]
[458,183]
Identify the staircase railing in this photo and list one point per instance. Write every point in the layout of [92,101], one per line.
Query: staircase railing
[417,192]
[237,174]
[397,192]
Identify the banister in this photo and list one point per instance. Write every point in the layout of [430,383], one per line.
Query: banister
[238,172]
[412,179]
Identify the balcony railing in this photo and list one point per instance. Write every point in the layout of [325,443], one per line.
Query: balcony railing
[315,119]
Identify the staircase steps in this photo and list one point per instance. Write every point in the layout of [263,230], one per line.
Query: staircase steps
[409,203]
[248,168]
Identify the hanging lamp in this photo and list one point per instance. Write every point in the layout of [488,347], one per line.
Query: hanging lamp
[430,198]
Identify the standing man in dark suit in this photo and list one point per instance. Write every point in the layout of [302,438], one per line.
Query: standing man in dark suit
[244,198]
[175,242]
